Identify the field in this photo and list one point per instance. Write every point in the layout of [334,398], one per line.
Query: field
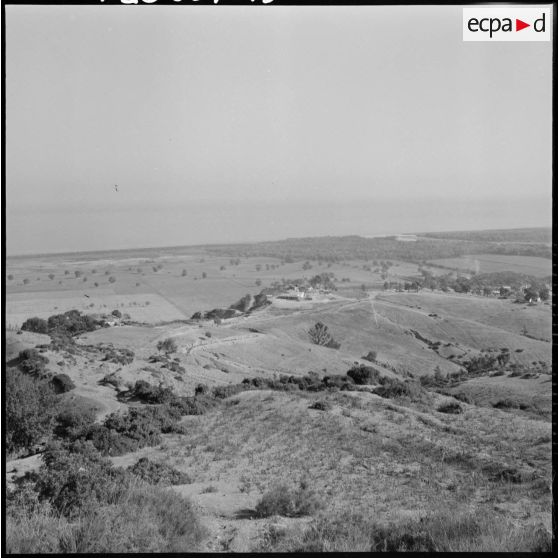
[490,263]
[370,460]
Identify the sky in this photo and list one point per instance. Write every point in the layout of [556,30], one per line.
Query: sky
[246,123]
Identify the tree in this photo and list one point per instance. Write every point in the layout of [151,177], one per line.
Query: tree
[184,273]
[78,273]
[319,335]
[10,277]
[204,275]
[111,279]
[30,407]
[544,293]
[167,345]
[26,281]
[51,276]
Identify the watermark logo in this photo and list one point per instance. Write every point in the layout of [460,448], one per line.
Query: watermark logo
[507,24]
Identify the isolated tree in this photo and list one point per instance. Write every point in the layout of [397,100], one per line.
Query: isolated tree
[319,334]
[258,282]
[111,279]
[51,276]
[10,277]
[167,345]
[530,293]
[184,273]
[26,281]
[222,268]
[204,275]
[78,273]
[95,284]
[66,272]
[258,267]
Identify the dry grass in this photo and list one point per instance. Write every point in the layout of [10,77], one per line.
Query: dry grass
[144,519]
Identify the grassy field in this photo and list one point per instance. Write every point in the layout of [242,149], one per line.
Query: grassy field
[490,263]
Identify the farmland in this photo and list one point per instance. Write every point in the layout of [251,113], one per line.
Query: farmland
[490,263]
[467,436]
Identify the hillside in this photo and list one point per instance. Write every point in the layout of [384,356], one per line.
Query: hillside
[425,424]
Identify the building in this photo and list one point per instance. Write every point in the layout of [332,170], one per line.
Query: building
[406,237]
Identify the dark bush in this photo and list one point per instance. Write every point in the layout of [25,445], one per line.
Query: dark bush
[167,345]
[152,394]
[72,422]
[201,389]
[222,392]
[62,383]
[30,406]
[371,356]
[506,404]
[116,313]
[33,363]
[72,323]
[393,388]
[363,375]
[451,408]
[75,477]
[158,473]
[108,442]
[35,325]
[198,405]
[118,356]
[321,405]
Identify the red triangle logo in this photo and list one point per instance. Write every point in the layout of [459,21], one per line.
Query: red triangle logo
[519,25]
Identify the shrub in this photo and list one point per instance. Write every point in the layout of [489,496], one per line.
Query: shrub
[116,313]
[198,405]
[30,407]
[393,388]
[74,477]
[167,345]
[506,404]
[362,375]
[321,405]
[371,356]
[32,362]
[72,422]
[222,392]
[282,500]
[35,325]
[158,473]
[62,383]
[108,442]
[201,389]
[451,408]
[152,394]
[118,356]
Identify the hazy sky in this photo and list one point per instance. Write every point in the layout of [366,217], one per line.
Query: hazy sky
[269,117]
